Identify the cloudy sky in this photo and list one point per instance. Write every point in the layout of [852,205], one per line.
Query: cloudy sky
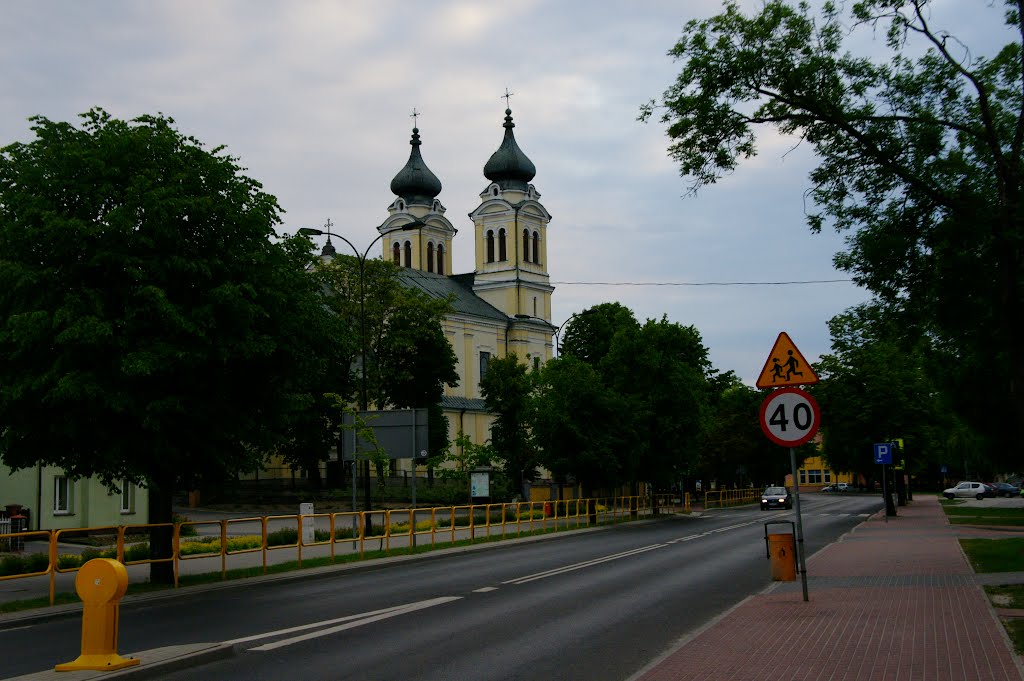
[315,97]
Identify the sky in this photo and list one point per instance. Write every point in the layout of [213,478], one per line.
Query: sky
[315,100]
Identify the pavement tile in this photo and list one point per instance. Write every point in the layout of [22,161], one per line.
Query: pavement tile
[891,601]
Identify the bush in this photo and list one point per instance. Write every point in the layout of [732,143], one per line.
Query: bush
[37,562]
[283,537]
[185,530]
[135,552]
[67,561]
[12,565]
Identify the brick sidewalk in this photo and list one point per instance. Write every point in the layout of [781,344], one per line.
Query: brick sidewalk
[892,600]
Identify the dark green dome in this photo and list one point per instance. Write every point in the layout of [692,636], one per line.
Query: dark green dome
[508,166]
[415,183]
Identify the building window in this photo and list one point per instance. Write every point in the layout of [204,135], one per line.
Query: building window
[803,477]
[396,254]
[440,259]
[502,248]
[490,245]
[535,306]
[536,248]
[408,254]
[814,476]
[536,363]
[430,257]
[828,476]
[62,494]
[485,357]
[526,245]
[127,497]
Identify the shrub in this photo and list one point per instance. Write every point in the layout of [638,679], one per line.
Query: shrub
[37,562]
[283,537]
[184,530]
[12,565]
[67,561]
[135,552]
[90,553]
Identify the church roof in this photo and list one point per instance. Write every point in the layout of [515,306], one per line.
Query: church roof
[415,183]
[509,167]
[464,301]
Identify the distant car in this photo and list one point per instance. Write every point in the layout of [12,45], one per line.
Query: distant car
[776,497]
[1005,489]
[829,488]
[844,487]
[966,489]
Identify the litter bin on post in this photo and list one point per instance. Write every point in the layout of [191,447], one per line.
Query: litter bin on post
[781,547]
[548,512]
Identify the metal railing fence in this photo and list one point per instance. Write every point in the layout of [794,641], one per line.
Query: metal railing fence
[401,529]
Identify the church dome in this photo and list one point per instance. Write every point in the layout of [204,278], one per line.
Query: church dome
[509,167]
[415,183]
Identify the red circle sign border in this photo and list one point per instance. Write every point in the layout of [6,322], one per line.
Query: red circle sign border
[810,433]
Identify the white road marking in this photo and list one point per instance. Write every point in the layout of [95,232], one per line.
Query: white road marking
[485,589]
[584,564]
[352,621]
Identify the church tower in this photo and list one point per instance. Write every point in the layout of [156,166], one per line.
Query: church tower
[427,246]
[511,238]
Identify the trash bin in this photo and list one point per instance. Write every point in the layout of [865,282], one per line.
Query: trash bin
[781,546]
[547,509]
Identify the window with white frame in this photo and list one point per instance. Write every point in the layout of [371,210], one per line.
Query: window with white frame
[814,476]
[127,497]
[62,489]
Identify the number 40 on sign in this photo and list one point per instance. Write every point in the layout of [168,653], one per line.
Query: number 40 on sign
[790,417]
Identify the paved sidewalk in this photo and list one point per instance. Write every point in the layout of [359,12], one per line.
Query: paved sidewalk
[892,600]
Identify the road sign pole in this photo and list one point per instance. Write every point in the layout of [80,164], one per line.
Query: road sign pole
[799,523]
[885,495]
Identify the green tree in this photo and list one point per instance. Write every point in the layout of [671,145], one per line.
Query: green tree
[919,156]
[151,329]
[580,426]
[661,369]
[875,388]
[588,335]
[507,388]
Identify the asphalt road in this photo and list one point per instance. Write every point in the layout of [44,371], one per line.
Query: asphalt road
[596,605]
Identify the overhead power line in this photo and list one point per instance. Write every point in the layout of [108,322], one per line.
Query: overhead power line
[702,283]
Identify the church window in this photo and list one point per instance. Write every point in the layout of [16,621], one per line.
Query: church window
[536,248]
[485,357]
[401,205]
[535,306]
[408,254]
[502,249]
[440,259]
[396,253]
[490,245]
[526,245]
[494,191]
[430,257]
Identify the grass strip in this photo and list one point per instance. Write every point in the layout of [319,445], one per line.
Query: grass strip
[995,555]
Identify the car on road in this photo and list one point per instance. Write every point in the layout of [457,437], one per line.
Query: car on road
[776,497]
[844,487]
[1005,489]
[966,489]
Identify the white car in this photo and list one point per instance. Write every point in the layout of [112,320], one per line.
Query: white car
[844,487]
[965,489]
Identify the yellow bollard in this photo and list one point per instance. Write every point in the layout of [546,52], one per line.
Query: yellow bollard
[100,584]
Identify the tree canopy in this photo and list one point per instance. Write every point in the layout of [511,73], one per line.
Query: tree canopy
[152,328]
[919,158]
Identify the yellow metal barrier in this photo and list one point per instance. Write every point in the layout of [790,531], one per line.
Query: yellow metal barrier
[731,497]
[495,518]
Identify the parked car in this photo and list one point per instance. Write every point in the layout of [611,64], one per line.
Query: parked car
[966,489]
[1005,489]
[844,487]
[829,488]
[776,497]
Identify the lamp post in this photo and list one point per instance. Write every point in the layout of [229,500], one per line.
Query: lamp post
[361,257]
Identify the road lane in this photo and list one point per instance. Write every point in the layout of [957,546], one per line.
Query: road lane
[595,605]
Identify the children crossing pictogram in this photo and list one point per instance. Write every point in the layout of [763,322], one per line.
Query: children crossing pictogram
[785,366]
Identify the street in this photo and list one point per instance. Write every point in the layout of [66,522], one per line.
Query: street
[593,605]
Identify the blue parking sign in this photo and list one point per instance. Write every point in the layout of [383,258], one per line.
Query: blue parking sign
[883,452]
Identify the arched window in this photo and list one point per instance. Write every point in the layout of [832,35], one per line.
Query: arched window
[536,248]
[430,257]
[502,250]
[408,254]
[440,259]
[526,245]
[396,253]
[490,245]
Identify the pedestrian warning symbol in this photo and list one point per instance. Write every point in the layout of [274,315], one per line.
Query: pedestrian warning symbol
[785,366]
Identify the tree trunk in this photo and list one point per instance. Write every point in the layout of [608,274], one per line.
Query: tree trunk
[161,539]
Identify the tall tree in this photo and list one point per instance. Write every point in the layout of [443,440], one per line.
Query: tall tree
[589,334]
[920,157]
[507,388]
[151,329]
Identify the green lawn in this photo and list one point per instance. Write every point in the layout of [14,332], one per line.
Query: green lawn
[995,555]
[974,515]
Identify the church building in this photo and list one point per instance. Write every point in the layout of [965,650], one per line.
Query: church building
[504,304]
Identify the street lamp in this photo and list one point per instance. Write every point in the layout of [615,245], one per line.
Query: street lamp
[361,257]
[558,329]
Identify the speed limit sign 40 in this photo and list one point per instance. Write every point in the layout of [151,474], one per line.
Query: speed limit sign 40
[790,417]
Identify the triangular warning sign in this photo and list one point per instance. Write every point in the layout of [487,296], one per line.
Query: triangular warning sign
[785,366]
